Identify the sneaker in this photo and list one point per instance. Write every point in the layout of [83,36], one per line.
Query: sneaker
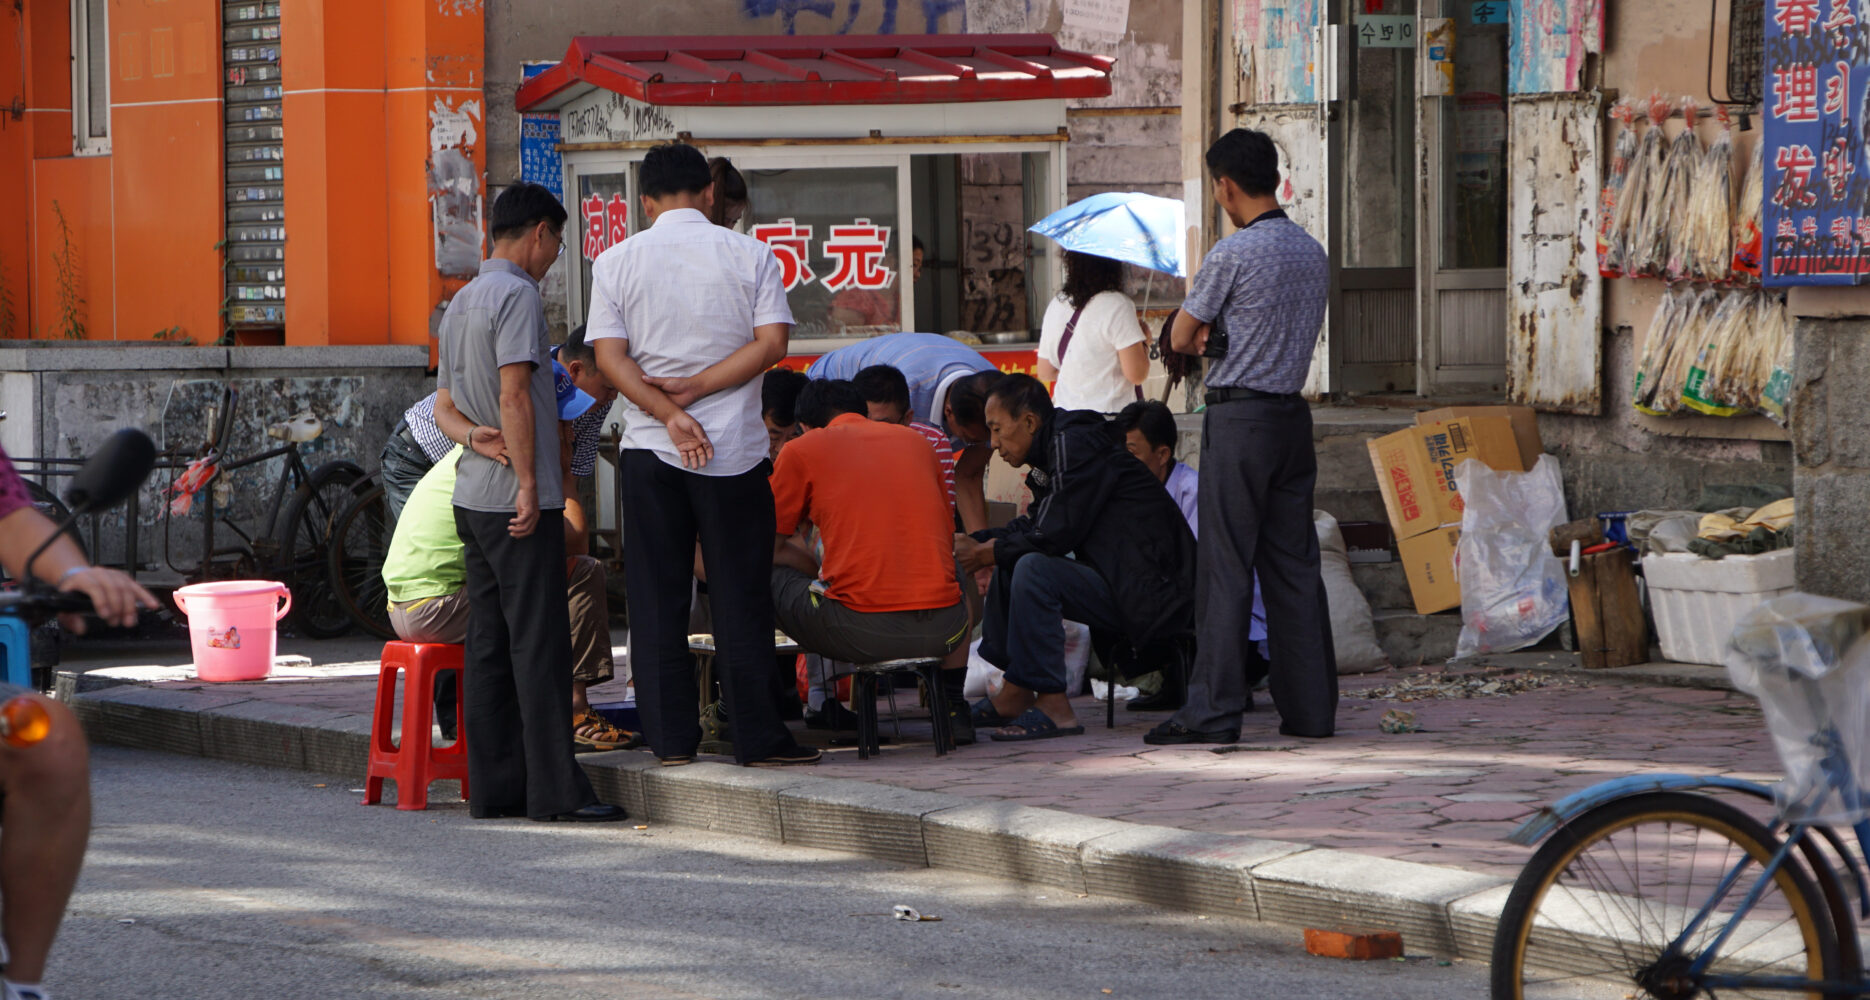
[1170,734]
[795,757]
[833,716]
[592,733]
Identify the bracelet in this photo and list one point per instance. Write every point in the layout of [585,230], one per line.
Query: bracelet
[69,573]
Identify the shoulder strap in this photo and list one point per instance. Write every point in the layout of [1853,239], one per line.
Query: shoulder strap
[1071,327]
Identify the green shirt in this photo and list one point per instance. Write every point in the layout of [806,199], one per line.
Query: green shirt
[426,557]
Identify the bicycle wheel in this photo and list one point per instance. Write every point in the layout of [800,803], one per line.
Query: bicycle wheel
[360,538]
[1607,894]
[302,543]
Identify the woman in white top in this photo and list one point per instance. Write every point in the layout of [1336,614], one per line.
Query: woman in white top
[1091,344]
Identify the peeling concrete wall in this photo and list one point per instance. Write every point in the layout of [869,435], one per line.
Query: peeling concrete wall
[64,401]
[1553,285]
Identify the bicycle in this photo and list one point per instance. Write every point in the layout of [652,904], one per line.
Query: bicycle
[1654,882]
[290,546]
[360,540]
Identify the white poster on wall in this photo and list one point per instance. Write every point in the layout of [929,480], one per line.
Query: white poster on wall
[1111,17]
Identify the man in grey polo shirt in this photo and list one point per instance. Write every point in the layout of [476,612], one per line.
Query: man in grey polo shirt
[1265,286]
[496,370]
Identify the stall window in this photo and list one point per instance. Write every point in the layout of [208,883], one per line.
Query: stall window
[835,231]
[599,221]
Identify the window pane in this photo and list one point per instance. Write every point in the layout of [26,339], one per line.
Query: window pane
[835,232]
[1379,154]
[97,65]
[600,220]
[1473,144]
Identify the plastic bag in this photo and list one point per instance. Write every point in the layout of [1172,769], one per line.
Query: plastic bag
[1353,629]
[1512,587]
[1806,659]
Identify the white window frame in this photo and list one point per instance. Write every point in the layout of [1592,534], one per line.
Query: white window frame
[83,143]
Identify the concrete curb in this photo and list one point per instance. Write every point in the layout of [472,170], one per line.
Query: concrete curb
[1439,910]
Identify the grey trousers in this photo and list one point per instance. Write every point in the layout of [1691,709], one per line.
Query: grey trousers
[1258,469]
[823,626]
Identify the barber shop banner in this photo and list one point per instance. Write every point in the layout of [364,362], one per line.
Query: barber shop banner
[1817,182]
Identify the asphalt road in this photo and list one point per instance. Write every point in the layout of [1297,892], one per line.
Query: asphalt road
[210,880]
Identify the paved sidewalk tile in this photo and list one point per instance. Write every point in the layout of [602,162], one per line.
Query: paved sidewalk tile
[1448,793]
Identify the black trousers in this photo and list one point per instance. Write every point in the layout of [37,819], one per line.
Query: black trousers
[1258,470]
[518,669]
[665,509]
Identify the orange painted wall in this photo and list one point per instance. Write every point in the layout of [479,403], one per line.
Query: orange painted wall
[145,221]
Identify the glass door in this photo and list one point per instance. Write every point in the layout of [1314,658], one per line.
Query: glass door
[1373,219]
[1463,299]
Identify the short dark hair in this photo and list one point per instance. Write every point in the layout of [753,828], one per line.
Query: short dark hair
[521,207]
[779,395]
[575,349]
[882,384]
[1020,393]
[729,188]
[915,243]
[823,400]
[1247,158]
[1088,275]
[673,168]
[968,397]
[1152,418]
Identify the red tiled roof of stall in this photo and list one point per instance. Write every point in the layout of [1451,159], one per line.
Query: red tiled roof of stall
[733,71]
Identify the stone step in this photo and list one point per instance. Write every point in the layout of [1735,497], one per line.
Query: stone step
[1410,639]
[1384,585]
[1351,505]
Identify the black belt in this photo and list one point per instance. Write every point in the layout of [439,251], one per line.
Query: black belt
[402,431]
[1231,394]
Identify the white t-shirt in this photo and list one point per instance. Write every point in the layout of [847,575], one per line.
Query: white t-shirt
[687,293]
[1091,377]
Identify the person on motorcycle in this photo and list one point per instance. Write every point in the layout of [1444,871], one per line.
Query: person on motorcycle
[45,788]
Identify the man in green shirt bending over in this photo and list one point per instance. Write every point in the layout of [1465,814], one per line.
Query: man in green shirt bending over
[426,574]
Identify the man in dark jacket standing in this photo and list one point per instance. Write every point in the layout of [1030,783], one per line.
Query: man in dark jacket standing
[1132,565]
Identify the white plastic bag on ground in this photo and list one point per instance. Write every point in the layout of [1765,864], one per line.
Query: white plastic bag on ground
[1807,661]
[983,678]
[1512,587]
[1353,630]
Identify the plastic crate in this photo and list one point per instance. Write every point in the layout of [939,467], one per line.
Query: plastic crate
[1696,601]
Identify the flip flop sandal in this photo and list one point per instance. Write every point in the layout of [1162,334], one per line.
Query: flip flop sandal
[1034,725]
[984,714]
[593,733]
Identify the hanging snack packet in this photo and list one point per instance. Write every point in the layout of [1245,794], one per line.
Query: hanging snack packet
[1640,184]
[1776,395]
[1707,249]
[1664,214]
[1731,319]
[1747,242]
[1669,313]
[1609,232]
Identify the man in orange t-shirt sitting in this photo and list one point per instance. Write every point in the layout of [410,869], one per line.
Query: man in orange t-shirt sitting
[886,587]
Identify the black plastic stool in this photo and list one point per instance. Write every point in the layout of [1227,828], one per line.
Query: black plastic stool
[864,700]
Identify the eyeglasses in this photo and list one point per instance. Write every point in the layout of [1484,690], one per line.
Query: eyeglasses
[561,248]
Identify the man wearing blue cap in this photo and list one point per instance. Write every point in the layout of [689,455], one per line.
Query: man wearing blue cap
[496,370]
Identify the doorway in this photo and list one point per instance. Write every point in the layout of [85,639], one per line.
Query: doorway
[1418,200]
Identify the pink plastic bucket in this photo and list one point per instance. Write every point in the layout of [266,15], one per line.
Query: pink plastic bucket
[231,627]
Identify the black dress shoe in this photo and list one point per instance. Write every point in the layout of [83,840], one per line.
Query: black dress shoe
[1170,734]
[597,812]
[796,757]
[832,717]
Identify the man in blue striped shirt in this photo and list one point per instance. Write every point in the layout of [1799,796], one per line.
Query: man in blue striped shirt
[948,387]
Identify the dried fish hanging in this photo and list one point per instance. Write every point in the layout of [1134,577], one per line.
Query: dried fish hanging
[1732,320]
[1776,394]
[1684,346]
[1668,203]
[1747,241]
[1701,243]
[1670,312]
[1641,183]
[1609,214]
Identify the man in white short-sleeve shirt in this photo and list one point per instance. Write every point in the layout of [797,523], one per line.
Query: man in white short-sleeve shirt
[685,317]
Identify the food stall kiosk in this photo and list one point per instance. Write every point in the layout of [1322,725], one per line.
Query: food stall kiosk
[853,149]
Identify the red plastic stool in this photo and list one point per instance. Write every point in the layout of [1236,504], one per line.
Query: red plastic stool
[417,761]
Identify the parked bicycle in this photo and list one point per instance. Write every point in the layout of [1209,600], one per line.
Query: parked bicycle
[289,544]
[1665,884]
[359,542]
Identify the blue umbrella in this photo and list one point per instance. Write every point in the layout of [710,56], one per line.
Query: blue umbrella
[1129,226]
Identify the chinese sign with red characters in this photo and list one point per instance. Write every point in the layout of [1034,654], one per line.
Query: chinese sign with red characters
[606,222]
[854,254]
[1817,211]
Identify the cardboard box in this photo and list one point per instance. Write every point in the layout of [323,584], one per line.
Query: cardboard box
[1428,562]
[1415,468]
[1524,419]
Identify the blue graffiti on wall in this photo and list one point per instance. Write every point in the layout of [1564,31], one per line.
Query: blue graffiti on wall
[788,11]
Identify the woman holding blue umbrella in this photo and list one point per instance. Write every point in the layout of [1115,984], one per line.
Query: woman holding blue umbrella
[1090,343]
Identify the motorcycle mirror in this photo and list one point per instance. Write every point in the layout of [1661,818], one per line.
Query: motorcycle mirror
[113,472]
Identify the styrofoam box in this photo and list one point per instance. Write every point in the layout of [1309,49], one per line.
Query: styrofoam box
[1696,601]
